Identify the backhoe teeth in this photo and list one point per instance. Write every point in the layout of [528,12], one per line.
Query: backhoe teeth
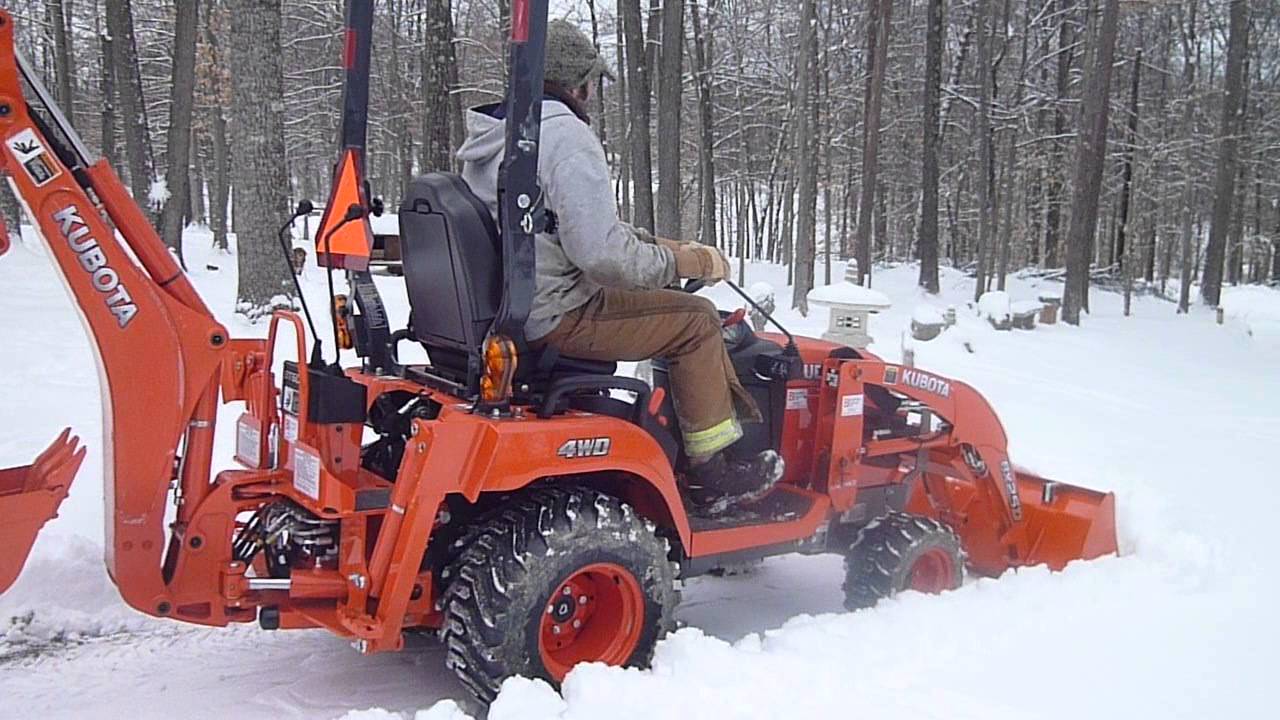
[30,496]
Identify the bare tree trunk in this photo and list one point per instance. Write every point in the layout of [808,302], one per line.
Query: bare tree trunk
[60,19]
[1090,158]
[986,150]
[198,211]
[878,26]
[670,86]
[1225,183]
[928,230]
[624,154]
[219,189]
[1191,56]
[1055,186]
[598,115]
[806,126]
[1118,250]
[703,52]
[137,140]
[109,149]
[258,165]
[178,140]
[638,105]
[437,59]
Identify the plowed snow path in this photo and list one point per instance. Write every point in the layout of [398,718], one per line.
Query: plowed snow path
[165,670]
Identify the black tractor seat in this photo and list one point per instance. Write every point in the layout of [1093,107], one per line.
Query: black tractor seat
[452,257]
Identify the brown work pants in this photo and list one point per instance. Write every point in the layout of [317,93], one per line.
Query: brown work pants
[683,329]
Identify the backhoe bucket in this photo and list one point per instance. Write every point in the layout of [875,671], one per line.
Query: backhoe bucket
[1065,522]
[29,497]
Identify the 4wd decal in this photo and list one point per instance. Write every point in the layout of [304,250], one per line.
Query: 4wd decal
[31,155]
[586,447]
[926,382]
[103,277]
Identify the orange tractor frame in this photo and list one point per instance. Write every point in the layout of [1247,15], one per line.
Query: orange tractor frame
[510,521]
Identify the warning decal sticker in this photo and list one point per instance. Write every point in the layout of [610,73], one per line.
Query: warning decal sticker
[797,399]
[32,156]
[851,405]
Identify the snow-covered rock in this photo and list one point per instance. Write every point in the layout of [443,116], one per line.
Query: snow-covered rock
[994,305]
[761,292]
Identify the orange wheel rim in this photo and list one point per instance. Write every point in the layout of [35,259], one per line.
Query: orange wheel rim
[594,615]
[932,572]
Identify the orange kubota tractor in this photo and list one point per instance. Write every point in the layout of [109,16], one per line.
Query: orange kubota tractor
[529,508]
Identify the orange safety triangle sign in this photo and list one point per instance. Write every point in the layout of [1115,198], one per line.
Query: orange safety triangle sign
[338,244]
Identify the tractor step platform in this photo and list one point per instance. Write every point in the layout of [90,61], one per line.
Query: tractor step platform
[781,505]
[778,523]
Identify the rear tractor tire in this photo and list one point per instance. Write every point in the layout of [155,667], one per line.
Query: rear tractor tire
[560,576]
[900,552]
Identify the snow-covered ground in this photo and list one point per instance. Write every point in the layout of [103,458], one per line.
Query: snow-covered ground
[1176,414]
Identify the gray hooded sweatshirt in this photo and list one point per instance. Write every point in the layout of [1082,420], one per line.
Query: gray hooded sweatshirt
[591,247]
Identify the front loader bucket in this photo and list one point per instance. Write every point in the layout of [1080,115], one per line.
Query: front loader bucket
[1064,522]
[29,497]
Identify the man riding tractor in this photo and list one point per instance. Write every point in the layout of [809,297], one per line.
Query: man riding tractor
[601,282]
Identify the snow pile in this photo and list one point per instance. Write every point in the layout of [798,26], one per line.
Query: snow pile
[85,605]
[1257,308]
[994,305]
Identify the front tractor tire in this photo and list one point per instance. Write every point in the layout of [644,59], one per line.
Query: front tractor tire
[900,552]
[560,576]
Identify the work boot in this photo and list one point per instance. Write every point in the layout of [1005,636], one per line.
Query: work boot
[721,483]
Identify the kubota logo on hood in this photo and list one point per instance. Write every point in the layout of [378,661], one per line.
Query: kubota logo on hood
[103,277]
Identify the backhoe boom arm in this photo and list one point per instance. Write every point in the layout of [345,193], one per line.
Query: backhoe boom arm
[157,346]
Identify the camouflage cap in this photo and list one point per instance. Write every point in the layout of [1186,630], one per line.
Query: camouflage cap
[572,59]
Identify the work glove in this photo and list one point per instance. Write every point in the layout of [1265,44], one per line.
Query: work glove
[700,262]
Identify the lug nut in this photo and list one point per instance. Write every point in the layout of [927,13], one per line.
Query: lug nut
[568,590]
[582,600]
[577,624]
[555,629]
[551,610]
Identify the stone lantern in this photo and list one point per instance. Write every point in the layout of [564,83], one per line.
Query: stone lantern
[851,308]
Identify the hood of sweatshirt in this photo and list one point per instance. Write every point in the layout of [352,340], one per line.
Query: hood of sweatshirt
[486,130]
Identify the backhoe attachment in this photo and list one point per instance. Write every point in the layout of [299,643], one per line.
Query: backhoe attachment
[29,497]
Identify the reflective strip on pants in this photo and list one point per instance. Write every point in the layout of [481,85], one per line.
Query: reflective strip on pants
[702,443]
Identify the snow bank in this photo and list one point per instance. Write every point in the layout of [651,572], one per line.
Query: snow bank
[1258,309]
[86,604]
